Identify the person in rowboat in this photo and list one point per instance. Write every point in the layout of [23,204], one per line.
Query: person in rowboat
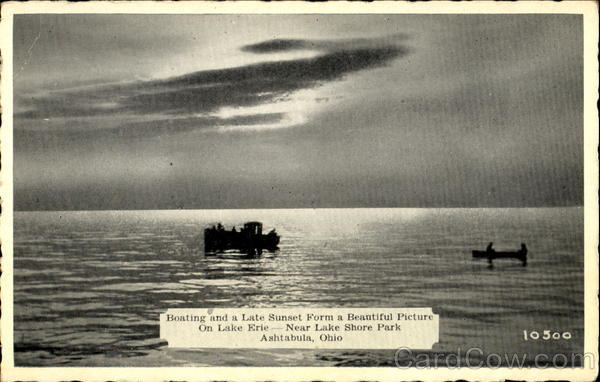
[523,249]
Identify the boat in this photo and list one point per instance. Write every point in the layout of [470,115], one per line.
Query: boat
[492,254]
[249,236]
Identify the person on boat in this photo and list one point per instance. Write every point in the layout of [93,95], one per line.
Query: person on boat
[233,230]
[272,232]
[523,248]
[220,227]
[489,247]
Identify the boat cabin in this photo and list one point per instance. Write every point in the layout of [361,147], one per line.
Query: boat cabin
[253,228]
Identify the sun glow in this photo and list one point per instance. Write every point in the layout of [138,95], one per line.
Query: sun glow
[295,108]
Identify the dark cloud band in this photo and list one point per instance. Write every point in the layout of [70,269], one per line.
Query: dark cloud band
[206,91]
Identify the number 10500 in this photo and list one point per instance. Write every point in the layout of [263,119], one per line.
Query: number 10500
[546,335]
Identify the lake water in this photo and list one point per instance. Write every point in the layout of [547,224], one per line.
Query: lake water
[89,286]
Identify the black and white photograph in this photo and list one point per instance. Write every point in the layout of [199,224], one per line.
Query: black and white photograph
[257,160]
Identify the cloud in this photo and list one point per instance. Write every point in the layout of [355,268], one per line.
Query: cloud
[277,45]
[84,130]
[288,45]
[205,92]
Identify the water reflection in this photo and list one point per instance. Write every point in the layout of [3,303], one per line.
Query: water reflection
[244,253]
[89,287]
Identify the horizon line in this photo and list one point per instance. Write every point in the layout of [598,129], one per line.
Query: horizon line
[308,208]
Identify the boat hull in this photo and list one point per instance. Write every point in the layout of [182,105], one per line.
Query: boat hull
[238,240]
[493,255]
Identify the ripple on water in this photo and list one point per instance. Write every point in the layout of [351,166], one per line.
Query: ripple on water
[96,282]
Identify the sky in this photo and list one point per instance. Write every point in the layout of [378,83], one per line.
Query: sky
[297,111]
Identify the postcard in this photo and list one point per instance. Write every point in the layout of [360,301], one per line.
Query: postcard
[299,191]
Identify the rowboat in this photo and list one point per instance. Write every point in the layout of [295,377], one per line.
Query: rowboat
[492,254]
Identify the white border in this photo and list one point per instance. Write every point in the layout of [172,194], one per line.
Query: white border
[590,15]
